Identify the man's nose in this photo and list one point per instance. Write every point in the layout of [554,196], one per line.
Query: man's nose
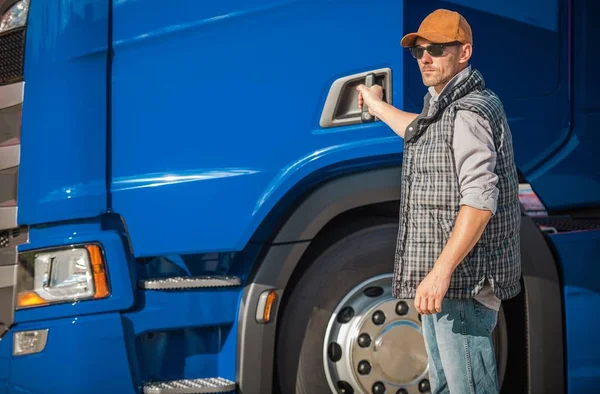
[426,58]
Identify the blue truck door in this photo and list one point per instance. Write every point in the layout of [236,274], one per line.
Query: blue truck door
[216,110]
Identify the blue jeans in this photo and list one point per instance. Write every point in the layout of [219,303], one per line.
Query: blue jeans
[459,346]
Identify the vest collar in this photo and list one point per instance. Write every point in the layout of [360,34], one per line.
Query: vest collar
[462,87]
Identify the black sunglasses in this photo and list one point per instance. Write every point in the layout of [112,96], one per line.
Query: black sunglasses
[435,50]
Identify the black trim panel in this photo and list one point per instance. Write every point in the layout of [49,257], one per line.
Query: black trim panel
[338,196]
[544,314]
[256,342]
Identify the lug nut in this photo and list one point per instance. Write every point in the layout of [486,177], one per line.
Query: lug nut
[335,352]
[345,315]
[344,387]
[373,292]
[424,386]
[401,308]
[364,368]
[402,391]
[364,340]
[378,388]
[378,318]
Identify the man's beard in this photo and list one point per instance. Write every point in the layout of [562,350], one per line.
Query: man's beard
[435,78]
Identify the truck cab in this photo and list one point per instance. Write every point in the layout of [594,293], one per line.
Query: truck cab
[191,202]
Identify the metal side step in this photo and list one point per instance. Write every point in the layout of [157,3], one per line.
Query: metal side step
[190,386]
[194,282]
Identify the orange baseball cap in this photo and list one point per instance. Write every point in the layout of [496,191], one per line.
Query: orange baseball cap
[441,26]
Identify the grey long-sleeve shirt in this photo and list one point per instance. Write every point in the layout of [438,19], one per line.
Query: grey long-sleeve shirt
[475,160]
[474,154]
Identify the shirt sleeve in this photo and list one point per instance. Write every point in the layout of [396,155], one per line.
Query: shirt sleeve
[475,160]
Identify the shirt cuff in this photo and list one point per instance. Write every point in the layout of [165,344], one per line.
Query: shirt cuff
[484,201]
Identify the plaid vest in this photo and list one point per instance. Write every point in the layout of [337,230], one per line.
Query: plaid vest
[430,197]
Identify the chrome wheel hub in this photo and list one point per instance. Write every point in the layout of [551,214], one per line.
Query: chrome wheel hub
[374,343]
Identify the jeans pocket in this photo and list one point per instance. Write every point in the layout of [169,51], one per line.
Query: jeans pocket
[487,317]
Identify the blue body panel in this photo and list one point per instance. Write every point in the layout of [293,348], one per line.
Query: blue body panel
[216,110]
[571,178]
[5,361]
[578,254]
[86,354]
[63,156]
[184,335]
[99,354]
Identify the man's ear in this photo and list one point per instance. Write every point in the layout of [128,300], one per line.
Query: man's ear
[465,53]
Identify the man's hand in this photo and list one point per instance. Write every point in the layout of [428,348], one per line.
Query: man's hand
[432,290]
[396,119]
[370,96]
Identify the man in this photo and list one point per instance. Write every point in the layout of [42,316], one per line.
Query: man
[457,252]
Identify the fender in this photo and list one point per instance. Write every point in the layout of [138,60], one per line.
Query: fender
[256,342]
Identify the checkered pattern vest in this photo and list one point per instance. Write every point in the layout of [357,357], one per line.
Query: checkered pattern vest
[430,197]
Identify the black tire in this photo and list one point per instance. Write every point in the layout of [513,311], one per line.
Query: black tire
[364,254]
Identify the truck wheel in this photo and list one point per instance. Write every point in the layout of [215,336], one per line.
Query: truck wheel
[341,330]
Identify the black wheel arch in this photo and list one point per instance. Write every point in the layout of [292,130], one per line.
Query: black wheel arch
[347,196]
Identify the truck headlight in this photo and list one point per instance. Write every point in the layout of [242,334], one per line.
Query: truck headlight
[15,17]
[61,275]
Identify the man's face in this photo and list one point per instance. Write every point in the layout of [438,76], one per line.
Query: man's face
[437,71]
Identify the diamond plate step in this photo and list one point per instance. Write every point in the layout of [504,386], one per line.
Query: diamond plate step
[190,386]
[194,282]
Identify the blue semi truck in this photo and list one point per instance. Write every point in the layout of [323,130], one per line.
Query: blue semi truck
[190,202]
